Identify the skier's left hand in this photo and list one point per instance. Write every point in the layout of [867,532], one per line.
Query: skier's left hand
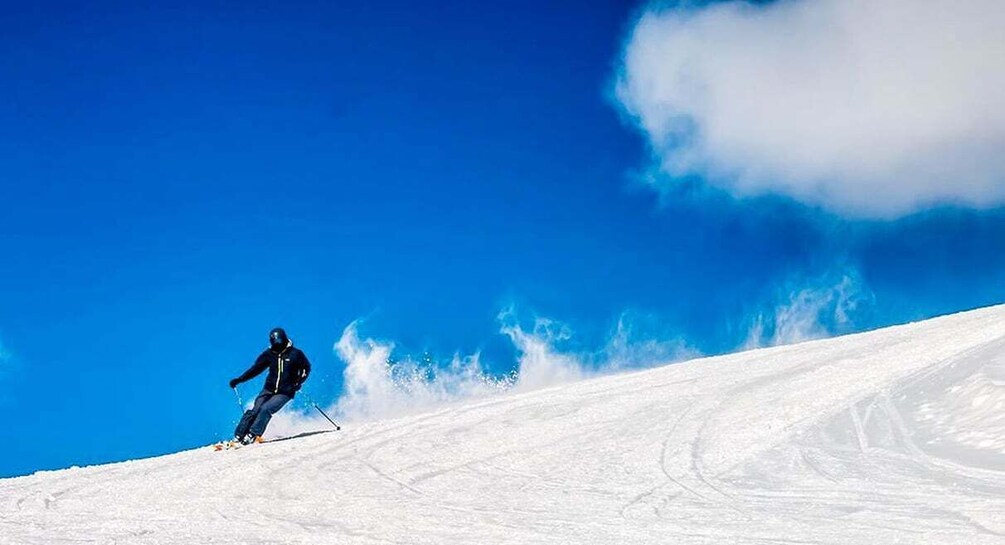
[233,383]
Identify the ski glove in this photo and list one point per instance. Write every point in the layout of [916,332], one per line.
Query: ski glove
[234,382]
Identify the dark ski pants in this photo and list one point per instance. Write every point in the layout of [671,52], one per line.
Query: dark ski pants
[257,417]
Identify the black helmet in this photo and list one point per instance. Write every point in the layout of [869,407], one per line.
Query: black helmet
[278,339]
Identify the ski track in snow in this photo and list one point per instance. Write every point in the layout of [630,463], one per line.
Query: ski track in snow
[891,436]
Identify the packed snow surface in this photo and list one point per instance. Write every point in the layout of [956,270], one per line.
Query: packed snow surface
[891,436]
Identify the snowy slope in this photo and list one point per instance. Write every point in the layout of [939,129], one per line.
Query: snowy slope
[892,436]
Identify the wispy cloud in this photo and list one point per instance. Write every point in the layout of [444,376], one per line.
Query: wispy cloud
[873,108]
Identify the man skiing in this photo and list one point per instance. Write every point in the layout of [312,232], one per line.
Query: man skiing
[288,370]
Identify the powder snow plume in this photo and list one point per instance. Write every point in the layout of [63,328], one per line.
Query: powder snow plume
[809,310]
[379,384]
[376,388]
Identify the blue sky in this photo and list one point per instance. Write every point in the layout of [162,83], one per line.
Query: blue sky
[180,179]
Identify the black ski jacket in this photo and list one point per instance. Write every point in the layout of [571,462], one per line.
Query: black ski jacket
[287,370]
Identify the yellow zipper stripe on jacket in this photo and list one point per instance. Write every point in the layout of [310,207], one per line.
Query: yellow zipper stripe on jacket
[279,375]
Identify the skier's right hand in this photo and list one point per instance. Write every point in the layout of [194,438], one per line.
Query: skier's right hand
[233,383]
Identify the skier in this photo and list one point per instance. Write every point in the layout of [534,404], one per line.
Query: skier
[288,370]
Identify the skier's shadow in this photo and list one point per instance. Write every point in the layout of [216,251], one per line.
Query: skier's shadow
[299,436]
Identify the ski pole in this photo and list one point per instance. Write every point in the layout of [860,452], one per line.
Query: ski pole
[337,427]
[239,402]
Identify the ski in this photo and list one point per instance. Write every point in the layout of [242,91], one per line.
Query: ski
[227,445]
[234,445]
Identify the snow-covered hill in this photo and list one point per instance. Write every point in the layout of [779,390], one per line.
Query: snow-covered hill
[892,436]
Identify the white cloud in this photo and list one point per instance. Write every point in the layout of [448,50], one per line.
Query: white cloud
[872,108]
